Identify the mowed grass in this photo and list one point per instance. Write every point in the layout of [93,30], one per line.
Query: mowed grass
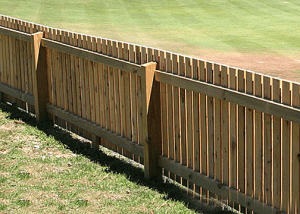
[183,26]
[48,170]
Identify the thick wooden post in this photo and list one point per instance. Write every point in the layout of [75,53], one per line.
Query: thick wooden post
[40,82]
[151,122]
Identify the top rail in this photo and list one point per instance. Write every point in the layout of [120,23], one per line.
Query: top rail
[93,56]
[15,34]
[270,107]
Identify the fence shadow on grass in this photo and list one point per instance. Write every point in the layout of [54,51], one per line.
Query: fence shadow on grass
[113,163]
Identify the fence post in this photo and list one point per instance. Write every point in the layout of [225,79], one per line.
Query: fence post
[40,81]
[151,122]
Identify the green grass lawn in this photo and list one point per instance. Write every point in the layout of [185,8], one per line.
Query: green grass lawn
[183,26]
[47,170]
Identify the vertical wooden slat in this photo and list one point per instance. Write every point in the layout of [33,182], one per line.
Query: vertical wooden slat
[295,154]
[210,124]
[122,96]
[189,113]
[249,138]
[267,147]
[176,112]
[241,135]
[210,127]
[170,99]
[217,122]
[258,142]
[106,91]
[276,147]
[133,101]
[117,90]
[189,120]
[182,100]
[196,123]
[87,74]
[164,108]
[225,129]
[285,151]
[137,103]
[203,128]
[82,96]
[128,112]
[111,92]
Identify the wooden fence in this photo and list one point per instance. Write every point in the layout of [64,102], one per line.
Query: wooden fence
[223,132]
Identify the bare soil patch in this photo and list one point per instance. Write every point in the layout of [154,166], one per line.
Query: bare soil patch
[277,66]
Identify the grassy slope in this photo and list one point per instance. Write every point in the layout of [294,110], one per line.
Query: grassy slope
[51,171]
[180,25]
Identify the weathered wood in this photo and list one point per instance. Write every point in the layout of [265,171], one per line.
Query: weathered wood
[151,122]
[23,96]
[245,100]
[216,186]
[15,34]
[93,56]
[276,147]
[96,130]
[40,81]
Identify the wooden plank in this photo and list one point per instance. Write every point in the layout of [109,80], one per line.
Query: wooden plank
[82,82]
[267,146]
[241,135]
[210,124]
[164,107]
[127,96]
[216,187]
[189,116]
[117,89]
[23,96]
[225,129]
[176,112]
[246,100]
[189,120]
[217,122]
[96,130]
[196,124]
[170,98]
[295,155]
[276,147]
[133,100]
[203,128]
[258,143]
[249,139]
[285,152]
[15,34]
[87,73]
[40,81]
[92,56]
[151,122]
[182,107]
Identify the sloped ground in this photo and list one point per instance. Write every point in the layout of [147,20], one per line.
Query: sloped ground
[49,170]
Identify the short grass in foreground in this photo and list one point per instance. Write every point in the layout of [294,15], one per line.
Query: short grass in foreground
[47,170]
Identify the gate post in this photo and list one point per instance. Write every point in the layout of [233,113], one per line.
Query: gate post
[151,122]
[40,80]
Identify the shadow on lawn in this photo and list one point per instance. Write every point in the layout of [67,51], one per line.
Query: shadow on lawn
[113,164]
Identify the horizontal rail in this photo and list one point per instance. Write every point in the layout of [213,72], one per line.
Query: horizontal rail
[15,34]
[28,98]
[215,186]
[96,130]
[240,98]
[93,56]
